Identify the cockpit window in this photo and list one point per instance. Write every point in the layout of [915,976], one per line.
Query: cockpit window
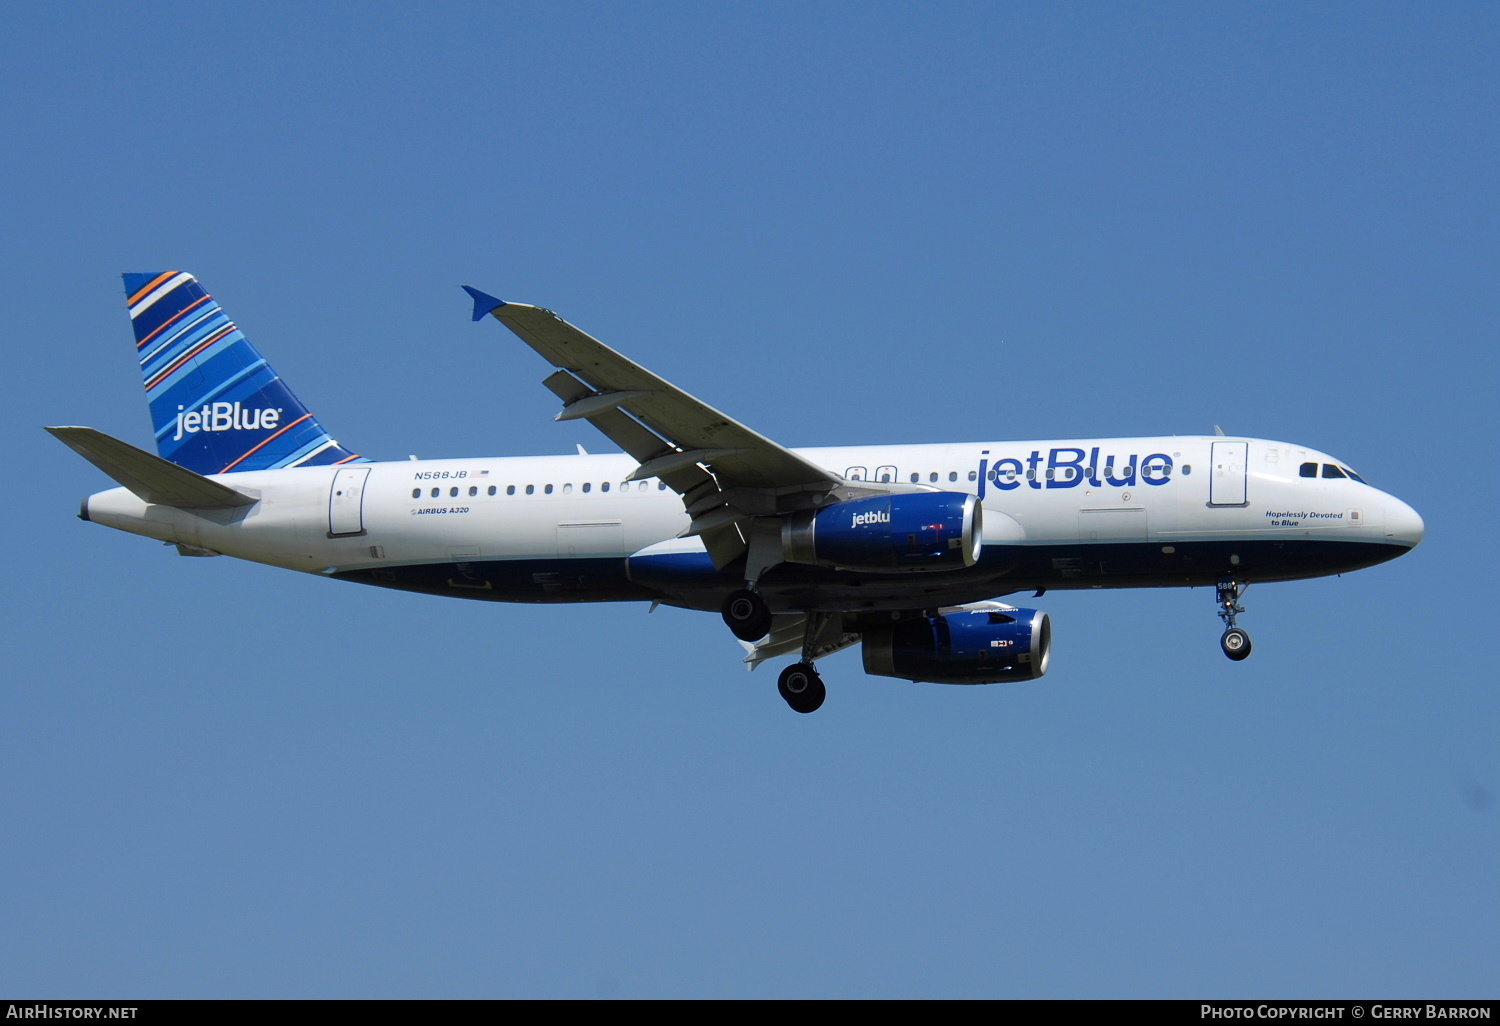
[1309,470]
[1329,470]
[1355,476]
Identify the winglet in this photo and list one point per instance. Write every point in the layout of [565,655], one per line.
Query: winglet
[483,304]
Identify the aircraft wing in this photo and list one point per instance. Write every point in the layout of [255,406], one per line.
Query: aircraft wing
[738,455]
[725,472]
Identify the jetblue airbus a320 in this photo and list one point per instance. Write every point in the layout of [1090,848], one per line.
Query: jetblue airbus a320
[902,549]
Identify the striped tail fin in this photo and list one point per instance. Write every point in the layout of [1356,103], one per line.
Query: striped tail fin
[217,407]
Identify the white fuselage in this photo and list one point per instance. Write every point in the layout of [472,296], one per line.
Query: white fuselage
[1155,511]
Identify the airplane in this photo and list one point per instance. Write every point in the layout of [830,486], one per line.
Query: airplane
[904,550]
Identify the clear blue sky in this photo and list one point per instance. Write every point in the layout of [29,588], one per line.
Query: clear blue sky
[839,223]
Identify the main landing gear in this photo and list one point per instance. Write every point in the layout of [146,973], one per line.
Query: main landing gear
[746,615]
[1235,642]
[749,619]
[802,688]
[799,683]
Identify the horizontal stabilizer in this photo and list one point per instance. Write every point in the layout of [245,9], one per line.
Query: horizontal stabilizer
[150,477]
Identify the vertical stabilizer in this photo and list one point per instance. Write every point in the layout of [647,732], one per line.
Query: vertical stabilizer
[217,407]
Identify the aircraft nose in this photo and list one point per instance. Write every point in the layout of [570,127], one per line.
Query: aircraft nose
[1403,524]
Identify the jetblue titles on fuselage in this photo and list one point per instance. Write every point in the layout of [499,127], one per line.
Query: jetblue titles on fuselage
[1069,467]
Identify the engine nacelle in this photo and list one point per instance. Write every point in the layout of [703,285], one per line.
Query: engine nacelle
[987,646]
[902,532]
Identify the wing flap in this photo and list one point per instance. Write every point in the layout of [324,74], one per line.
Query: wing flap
[788,635]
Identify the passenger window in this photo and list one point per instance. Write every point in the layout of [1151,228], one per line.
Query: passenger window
[885,474]
[473,489]
[642,486]
[661,486]
[587,486]
[952,475]
[932,477]
[416,493]
[436,492]
[1329,470]
[530,489]
[856,473]
[915,478]
[567,488]
[1309,470]
[453,493]
[547,489]
[604,487]
[1187,468]
[1049,473]
[973,475]
[492,490]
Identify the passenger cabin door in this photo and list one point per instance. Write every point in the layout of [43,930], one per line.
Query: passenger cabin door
[346,502]
[1226,483]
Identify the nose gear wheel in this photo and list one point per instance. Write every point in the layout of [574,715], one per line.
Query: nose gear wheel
[1235,643]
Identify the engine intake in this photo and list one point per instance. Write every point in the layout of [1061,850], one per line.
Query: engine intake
[990,646]
[903,532]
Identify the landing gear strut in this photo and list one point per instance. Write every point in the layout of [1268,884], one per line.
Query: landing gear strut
[1235,642]
[746,615]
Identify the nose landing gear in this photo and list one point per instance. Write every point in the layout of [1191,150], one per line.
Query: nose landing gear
[1235,642]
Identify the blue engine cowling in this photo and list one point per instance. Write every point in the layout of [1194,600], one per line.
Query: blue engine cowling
[902,532]
[989,646]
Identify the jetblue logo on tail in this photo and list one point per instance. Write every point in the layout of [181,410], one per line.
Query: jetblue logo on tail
[225,417]
[217,407]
